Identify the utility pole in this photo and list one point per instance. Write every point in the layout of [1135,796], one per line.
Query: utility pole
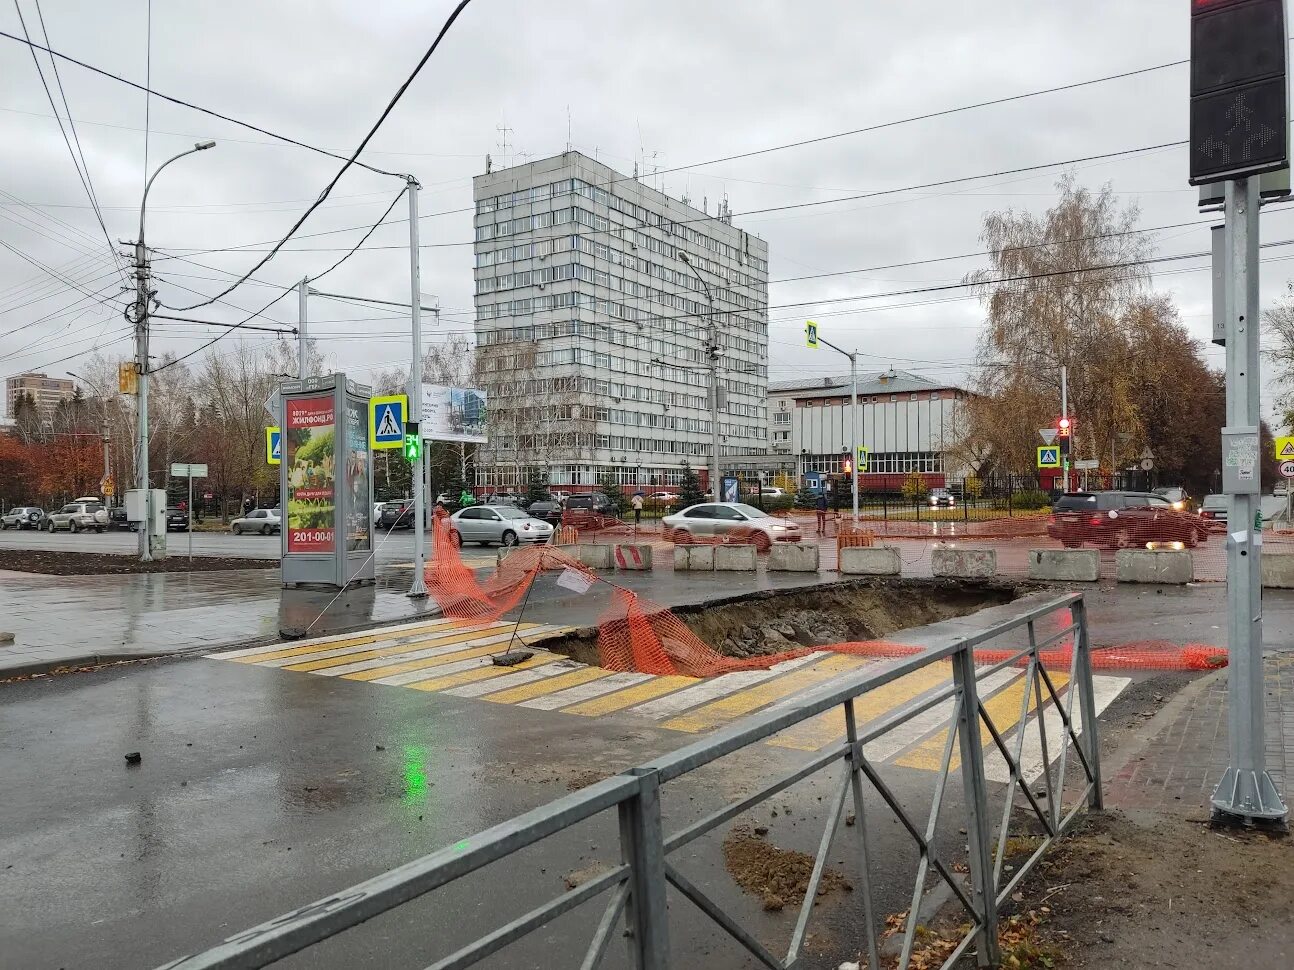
[419,585]
[1064,413]
[712,361]
[817,339]
[303,295]
[1246,791]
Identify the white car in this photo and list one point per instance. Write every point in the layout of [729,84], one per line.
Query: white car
[771,491]
[504,524]
[88,515]
[721,518]
[264,521]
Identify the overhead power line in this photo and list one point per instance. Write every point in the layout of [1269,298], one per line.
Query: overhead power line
[395,99]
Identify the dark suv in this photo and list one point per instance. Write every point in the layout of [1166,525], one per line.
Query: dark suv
[1119,520]
[590,502]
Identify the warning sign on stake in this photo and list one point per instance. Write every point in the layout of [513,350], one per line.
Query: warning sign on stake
[1285,448]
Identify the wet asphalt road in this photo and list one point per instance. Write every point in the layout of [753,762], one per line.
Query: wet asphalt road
[261,790]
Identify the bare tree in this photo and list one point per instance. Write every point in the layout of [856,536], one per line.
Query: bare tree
[1278,322]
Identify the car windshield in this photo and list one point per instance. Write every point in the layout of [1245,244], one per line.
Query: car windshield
[748,510]
[1215,501]
[1075,503]
[510,513]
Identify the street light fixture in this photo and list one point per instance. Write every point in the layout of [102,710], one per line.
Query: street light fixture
[712,356]
[140,321]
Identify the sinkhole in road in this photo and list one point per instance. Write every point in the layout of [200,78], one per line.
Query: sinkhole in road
[771,622]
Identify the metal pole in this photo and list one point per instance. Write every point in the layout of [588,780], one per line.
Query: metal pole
[853,426]
[303,293]
[1064,413]
[712,339]
[1246,791]
[107,444]
[418,587]
[190,511]
[141,365]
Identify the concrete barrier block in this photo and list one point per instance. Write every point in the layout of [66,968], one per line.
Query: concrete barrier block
[694,559]
[735,559]
[870,561]
[958,563]
[793,557]
[595,556]
[1154,566]
[1065,565]
[633,557]
[1278,570]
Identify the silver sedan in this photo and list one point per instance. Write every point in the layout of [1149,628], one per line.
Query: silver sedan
[503,524]
[722,518]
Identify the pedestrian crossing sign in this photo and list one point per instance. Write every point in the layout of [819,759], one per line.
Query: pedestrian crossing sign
[1048,456]
[811,335]
[864,453]
[386,420]
[273,446]
[1285,448]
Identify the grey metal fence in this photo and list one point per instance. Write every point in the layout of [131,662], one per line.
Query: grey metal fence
[636,888]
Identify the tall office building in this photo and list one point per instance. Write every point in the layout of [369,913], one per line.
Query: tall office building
[591,329]
[47,392]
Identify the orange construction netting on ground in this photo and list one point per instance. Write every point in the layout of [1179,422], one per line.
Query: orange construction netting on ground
[636,634]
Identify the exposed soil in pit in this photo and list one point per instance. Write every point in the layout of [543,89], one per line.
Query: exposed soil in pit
[775,621]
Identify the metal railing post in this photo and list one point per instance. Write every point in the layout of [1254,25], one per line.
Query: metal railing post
[642,848]
[1090,739]
[975,792]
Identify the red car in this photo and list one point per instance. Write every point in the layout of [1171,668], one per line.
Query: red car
[1122,520]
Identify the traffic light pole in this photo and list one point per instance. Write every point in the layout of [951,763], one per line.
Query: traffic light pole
[418,587]
[1064,413]
[853,415]
[1246,792]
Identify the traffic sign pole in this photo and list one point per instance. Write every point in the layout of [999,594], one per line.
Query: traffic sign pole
[418,587]
[1246,792]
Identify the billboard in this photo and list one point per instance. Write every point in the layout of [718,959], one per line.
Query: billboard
[452,414]
[359,516]
[310,431]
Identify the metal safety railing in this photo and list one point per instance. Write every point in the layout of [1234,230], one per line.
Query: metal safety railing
[637,887]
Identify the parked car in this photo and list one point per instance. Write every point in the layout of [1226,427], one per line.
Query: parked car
[117,518]
[503,524]
[503,498]
[264,521]
[77,517]
[1214,508]
[1118,520]
[397,514]
[1177,496]
[560,496]
[771,491]
[549,511]
[724,518]
[22,517]
[590,502]
[377,511]
[177,520]
[941,498]
[666,497]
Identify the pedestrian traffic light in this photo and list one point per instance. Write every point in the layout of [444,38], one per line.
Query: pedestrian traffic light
[412,448]
[1064,431]
[1062,428]
[1239,100]
[847,466]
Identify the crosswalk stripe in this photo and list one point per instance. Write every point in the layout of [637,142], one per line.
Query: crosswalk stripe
[571,679]
[1104,691]
[715,687]
[513,679]
[584,692]
[1002,709]
[482,669]
[618,701]
[465,637]
[753,698]
[380,668]
[463,660]
[305,646]
[422,640]
[828,727]
[916,728]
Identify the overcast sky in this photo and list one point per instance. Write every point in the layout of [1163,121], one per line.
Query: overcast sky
[667,83]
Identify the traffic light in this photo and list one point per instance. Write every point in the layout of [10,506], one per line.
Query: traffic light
[412,448]
[847,466]
[1239,100]
[1064,431]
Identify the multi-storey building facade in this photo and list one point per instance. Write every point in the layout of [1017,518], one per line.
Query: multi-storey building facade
[907,422]
[48,392]
[591,330]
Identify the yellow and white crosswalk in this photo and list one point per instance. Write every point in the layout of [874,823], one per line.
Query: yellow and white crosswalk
[449,658]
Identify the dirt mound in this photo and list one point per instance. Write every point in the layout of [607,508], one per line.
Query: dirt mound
[104,564]
[780,877]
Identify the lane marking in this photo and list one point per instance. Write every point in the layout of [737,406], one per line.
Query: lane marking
[618,701]
[482,670]
[381,667]
[298,647]
[914,729]
[461,661]
[829,727]
[406,648]
[573,678]
[585,692]
[441,636]
[488,685]
[743,702]
[715,687]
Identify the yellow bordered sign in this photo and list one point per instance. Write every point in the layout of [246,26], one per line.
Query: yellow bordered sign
[387,417]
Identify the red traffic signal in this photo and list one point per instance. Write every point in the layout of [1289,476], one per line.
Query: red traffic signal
[1064,426]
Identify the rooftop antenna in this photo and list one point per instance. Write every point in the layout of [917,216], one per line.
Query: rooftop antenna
[568,127]
[503,143]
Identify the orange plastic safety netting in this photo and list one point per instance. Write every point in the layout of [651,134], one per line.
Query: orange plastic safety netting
[636,634]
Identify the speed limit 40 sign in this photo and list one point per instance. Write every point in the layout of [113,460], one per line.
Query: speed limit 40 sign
[1287,469]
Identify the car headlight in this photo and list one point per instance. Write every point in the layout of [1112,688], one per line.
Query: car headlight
[1179,506]
[779,528]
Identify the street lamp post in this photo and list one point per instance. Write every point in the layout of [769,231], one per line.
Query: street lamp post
[853,415]
[141,355]
[107,439]
[712,357]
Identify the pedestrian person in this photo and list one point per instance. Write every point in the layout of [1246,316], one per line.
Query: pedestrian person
[248,505]
[638,508]
[820,503]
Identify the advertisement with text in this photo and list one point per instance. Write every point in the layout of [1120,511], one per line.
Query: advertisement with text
[453,413]
[359,501]
[309,433]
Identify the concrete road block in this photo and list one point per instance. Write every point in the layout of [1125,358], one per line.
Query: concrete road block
[870,561]
[1154,566]
[595,556]
[963,563]
[1278,570]
[793,557]
[1065,565]
[633,557]
[735,559]
[694,559]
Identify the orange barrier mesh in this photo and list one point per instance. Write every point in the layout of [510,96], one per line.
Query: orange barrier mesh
[639,635]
